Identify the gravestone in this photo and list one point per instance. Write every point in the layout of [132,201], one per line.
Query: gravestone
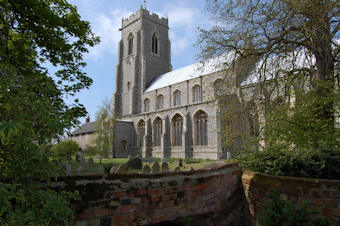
[80,157]
[180,163]
[155,167]
[90,161]
[177,169]
[146,169]
[165,167]
[121,169]
[113,170]
[68,169]
[80,169]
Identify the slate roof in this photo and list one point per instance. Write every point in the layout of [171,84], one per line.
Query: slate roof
[85,128]
[190,72]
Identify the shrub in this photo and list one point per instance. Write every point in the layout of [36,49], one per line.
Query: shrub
[65,149]
[90,150]
[295,163]
[134,163]
[192,160]
[283,212]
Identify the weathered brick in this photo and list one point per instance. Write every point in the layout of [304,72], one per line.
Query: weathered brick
[127,208]
[104,212]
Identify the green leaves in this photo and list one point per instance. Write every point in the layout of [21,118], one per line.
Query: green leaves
[32,110]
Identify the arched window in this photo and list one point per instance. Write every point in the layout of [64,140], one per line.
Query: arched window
[123,145]
[146,105]
[128,86]
[252,120]
[160,102]
[154,44]
[218,88]
[196,93]
[157,131]
[201,128]
[130,43]
[141,133]
[177,129]
[177,98]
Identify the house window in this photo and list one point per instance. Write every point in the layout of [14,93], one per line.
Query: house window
[123,145]
[177,129]
[130,44]
[197,93]
[157,131]
[154,44]
[141,133]
[201,128]
[160,102]
[146,105]
[177,98]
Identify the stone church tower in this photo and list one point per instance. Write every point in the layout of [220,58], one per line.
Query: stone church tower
[144,53]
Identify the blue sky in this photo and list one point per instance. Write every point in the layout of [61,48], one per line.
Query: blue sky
[105,17]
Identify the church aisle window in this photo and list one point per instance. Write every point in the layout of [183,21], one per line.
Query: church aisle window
[157,131]
[177,129]
[160,102]
[154,48]
[177,98]
[201,128]
[130,44]
[197,93]
[146,105]
[141,133]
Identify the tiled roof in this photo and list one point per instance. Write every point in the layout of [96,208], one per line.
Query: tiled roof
[85,128]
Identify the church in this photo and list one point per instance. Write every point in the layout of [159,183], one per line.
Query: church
[164,113]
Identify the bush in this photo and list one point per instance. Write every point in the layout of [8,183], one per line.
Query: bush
[90,150]
[296,163]
[192,160]
[134,163]
[283,212]
[65,149]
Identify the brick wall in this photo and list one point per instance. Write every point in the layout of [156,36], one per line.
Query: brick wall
[323,195]
[213,196]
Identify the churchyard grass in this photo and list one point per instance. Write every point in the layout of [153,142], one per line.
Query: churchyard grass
[97,168]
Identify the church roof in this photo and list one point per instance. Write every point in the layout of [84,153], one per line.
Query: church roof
[89,127]
[190,72]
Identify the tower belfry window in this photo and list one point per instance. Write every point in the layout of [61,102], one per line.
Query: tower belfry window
[130,44]
[154,47]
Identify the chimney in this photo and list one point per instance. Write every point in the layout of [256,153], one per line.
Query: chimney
[88,119]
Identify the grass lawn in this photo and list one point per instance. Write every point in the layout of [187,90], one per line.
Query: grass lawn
[97,168]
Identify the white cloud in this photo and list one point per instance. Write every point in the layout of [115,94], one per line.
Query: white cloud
[107,27]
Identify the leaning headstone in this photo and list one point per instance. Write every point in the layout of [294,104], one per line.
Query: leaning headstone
[68,169]
[155,167]
[180,163]
[146,169]
[90,161]
[177,169]
[113,170]
[165,167]
[121,169]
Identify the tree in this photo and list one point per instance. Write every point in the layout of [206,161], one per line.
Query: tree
[105,130]
[65,149]
[292,46]
[32,109]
